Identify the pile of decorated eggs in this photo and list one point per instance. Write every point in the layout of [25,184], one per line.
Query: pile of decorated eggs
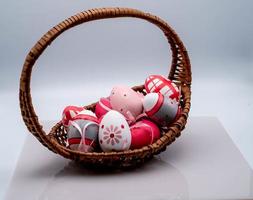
[125,120]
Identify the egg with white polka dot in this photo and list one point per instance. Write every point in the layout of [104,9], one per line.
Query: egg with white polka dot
[114,132]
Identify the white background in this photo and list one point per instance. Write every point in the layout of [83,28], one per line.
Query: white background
[84,63]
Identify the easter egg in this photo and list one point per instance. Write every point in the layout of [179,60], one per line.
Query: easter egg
[161,109]
[114,132]
[69,113]
[126,101]
[160,84]
[82,135]
[144,132]
[102,107]
[86,115]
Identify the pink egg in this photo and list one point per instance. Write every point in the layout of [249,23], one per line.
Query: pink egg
[102,107]
[163,110]
[69,113]
[126,101]
[160,84]
[144,133]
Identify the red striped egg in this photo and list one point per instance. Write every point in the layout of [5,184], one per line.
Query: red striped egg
[82,135]
[86,115]
[160,84]
[82,131]
[161,109]
[102,107]
[69,113]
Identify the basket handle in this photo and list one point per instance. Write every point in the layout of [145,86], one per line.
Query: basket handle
[180,68]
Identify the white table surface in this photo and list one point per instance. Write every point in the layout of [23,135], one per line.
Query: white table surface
[203,163]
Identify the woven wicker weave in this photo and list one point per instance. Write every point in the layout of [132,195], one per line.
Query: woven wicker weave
[55,141]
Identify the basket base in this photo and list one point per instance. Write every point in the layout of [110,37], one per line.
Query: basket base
[112,166]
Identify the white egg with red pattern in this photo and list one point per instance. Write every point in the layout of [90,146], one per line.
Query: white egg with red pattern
[82,135]
[161,109]
[69,113]
[114,132]
[160,84]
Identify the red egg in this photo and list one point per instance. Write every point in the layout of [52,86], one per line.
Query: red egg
[144,132]
[102,107]
[160,84]
[69,113]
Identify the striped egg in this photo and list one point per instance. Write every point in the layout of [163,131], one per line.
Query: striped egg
[161,109]
[69,113]
[160,84]
[102,107]
[86,115]
[82,135]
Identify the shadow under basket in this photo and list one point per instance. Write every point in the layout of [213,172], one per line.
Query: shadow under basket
[55,140]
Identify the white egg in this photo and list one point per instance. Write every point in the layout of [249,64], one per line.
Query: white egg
[161,109]
[87,112]
[82,135]
[160,84]
[114,132]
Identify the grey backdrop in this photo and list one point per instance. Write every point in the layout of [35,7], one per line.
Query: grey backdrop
[85,62]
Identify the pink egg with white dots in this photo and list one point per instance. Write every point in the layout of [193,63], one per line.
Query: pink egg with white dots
[114,132]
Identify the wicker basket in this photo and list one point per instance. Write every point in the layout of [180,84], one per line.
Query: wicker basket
[55,141]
